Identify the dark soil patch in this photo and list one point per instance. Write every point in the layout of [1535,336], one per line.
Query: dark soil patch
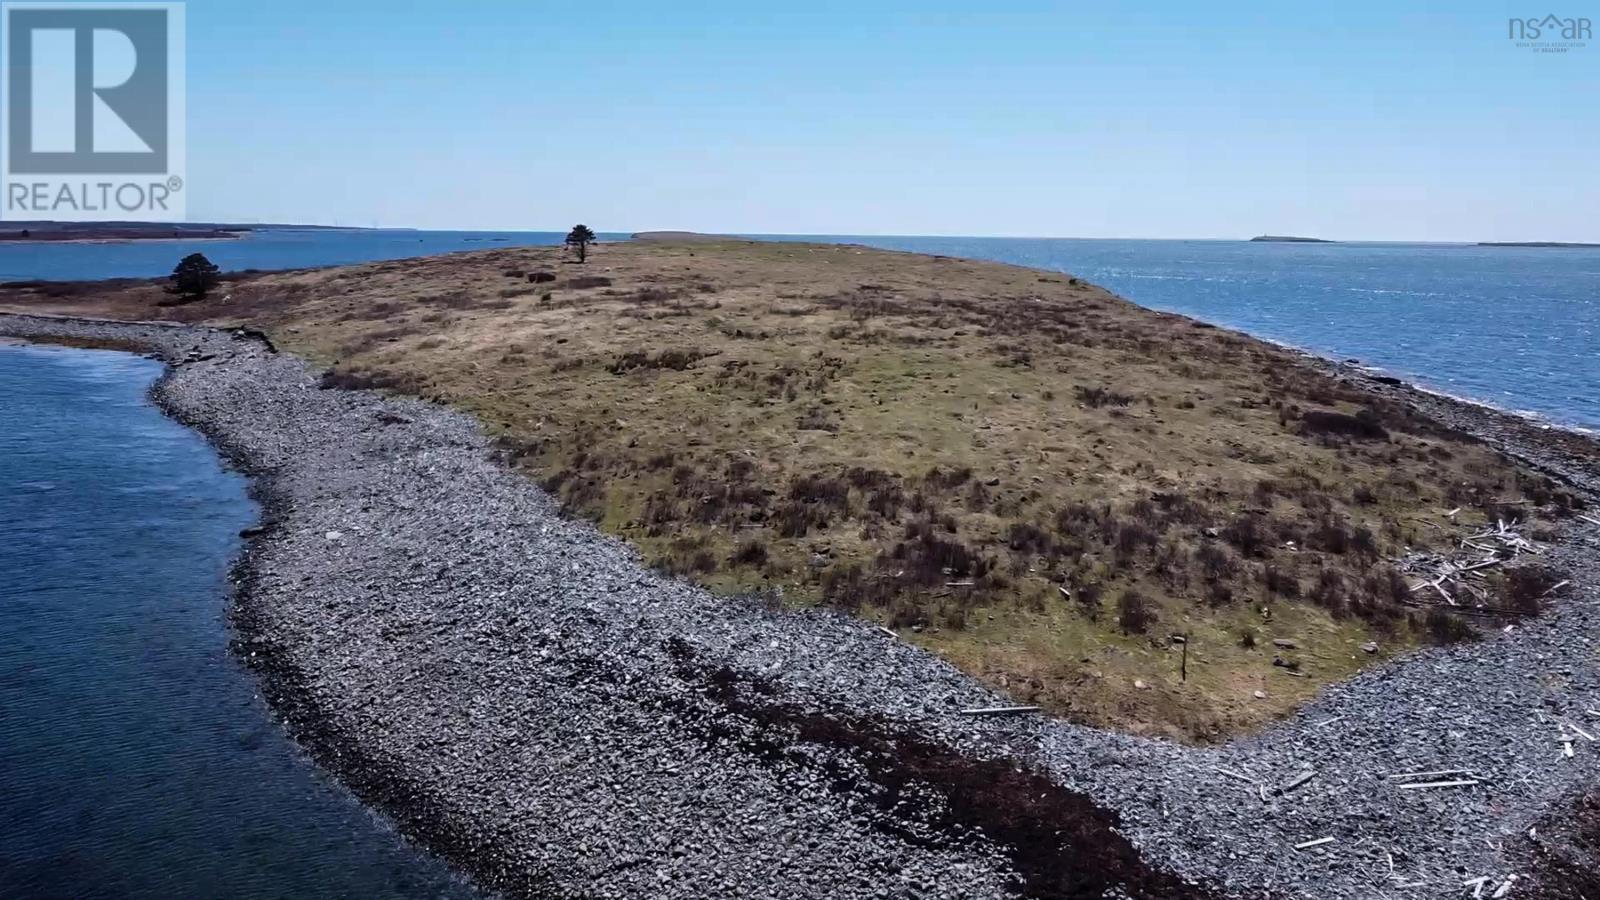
[1363,426]
[1565,855]
[1062,845]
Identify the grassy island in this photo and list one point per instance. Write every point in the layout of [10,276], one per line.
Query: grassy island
[1063,493]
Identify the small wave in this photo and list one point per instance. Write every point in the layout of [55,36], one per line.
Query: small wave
[1356,290]
[1543,420]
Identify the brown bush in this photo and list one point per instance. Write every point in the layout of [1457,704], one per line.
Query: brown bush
[1448,628]
[1247,534]
[1333,535]
[750,553]
[1132,537]
[953,616]
[947,479]
[1082,521]
[1279,582]
[795,519]
[886,501]
[1330,592]
[931,560]
[1087,595]
[1364,426]
[1178,508]
[1096,397]
[867,479]
[1134,612]
[1387,584]
[1026,537]
[820,489]
[1524,589]
[1215,561]
[365,381]
[676,360]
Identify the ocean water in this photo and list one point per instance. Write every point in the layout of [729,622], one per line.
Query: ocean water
[136,759]
[1518,328]
[273,248]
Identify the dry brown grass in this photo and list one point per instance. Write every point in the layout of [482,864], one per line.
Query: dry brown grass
[1038,479]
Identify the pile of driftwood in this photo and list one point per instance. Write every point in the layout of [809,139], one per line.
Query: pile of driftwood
[1460,578]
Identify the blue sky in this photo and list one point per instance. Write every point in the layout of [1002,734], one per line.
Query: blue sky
[1161,119]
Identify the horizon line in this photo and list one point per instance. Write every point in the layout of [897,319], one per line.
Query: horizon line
[802,234]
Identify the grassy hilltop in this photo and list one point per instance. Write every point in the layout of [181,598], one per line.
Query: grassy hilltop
[1014,468]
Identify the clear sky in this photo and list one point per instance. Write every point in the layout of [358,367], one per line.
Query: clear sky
[1171,118]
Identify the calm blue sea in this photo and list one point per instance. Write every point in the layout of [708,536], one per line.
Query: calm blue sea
[136,760]
[273,248]
[1518,328]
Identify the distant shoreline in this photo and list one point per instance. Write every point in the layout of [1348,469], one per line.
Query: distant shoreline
[93,235]
[1535,244]
[683,237]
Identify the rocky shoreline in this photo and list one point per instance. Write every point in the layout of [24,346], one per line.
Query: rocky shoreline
[522,694]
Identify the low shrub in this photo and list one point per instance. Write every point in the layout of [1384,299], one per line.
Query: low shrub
[1096,397]
[365,381]
[1330,592]
[1364,426]
[1132,537]
[796,519]
[749,553]
[947,479]
[676,360]
[1524,589]
[1026,537]
[1279,582]
[1448,628]
[930,560]
[1215,561]
[820,489]
[1246,533]
[1087,595]
[1134,612]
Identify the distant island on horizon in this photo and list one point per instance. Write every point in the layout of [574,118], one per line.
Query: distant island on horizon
[43,231]
[681,236]
[1290,239]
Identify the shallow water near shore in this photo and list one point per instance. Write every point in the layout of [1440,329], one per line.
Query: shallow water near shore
[136,758]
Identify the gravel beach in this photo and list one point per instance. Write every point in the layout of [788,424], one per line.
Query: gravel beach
[521,693]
